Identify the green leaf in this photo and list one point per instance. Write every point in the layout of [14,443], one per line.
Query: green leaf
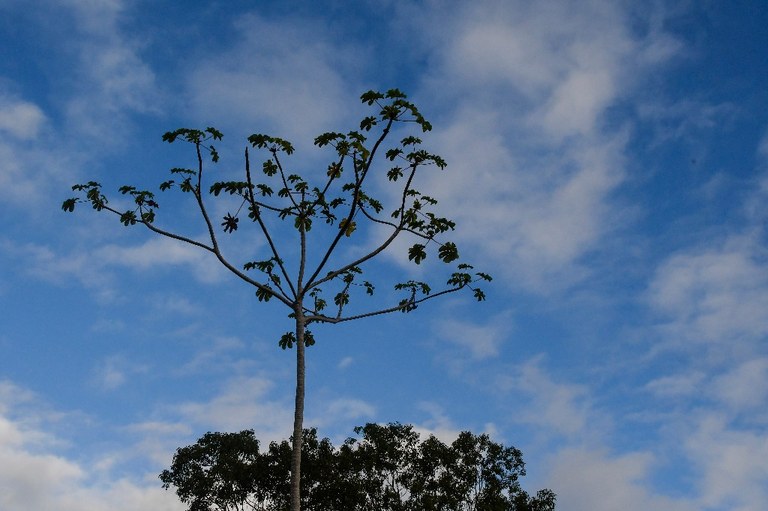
[215,134]
[230,223]
[265,190]
[417,253]
[411,140]
[189,172]
[259,140]
[69,205]
[396,93]
[214,154]
[320,304]
[347,227]
[269,168]
[459,279]
[484,276]
[394,173]
[264,294]
[368,123]
[393,153]
[303,223]
[341,298]
[186,185]
[371,96]
[448,252]
[128,218]
[231,187]
[264,266]
[287,340]
[407,305]
[327,138]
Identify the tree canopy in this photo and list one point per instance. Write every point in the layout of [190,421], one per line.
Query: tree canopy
[385,468]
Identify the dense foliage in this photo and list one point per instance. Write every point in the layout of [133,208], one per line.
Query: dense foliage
[388,468]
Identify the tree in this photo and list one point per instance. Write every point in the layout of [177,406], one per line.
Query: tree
[340,199]
[389,469]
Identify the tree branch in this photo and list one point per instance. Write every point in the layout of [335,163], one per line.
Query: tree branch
[353,207]
[263,226]
[322,318]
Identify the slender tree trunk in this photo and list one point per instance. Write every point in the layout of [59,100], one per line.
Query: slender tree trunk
[298,413]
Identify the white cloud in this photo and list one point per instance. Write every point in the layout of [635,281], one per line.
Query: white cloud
[716,295]
[30,167]
[19,118]
[114,371]
[592,480]
[438,424]
[113,80]
[33,476]
[732,464]
[678,121]
[345,362]
[577,103]
[531,223]
[533,166]
[343,410]
[679,385]
[480,340]
[762,148]
[744,388]
[583,469]
[283,77]
[160,251]
[243,403]
[95,267]
[560,408]
[220,355]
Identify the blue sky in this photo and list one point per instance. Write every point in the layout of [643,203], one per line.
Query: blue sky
[607,163]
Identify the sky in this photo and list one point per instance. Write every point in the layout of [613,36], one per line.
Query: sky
[607,164]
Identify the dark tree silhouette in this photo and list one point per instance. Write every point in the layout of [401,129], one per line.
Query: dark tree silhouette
[389,468]
[338,201]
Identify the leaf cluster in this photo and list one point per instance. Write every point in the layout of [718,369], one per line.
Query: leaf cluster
[386,468]
[341,198]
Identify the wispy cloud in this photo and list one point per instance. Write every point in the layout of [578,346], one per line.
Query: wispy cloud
[481,341]
[20,119]
[534,163]
[113,79]
[33,474]
[97,268]
[715,295]
[114,371]
[244,402]
[731,462]
[592,479]
[283,77]
[562,408]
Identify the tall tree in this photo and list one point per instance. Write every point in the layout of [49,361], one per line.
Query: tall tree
[340,198]
[389,468]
